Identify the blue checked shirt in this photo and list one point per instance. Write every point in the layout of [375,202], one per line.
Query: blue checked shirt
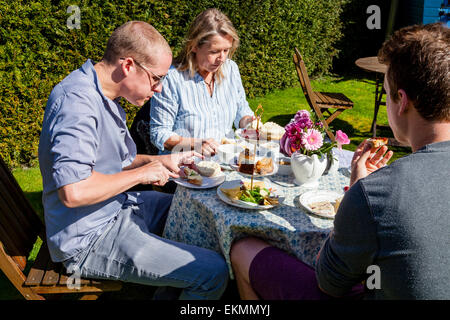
[82,131]
[185,107]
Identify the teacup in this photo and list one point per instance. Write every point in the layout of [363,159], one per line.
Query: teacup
[226,152]
[271,150]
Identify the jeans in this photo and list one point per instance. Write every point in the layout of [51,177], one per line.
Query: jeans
[131,250]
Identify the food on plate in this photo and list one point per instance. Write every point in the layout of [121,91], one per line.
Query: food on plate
[283,162]
[265,131]
[246,161]
[271,131]
[227,141]
[377,142]
[250,133]
[322,207]
[248,164]
[258,195]
[192,176]
[337,204]
[208,168]
[264,166]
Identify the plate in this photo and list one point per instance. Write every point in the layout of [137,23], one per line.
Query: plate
[235,167]
[240,203]
[315,196]
[208,182]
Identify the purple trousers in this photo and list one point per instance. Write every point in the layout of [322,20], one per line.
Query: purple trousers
[275,275]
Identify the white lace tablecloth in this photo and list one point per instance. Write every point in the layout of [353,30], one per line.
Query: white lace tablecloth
[199,217]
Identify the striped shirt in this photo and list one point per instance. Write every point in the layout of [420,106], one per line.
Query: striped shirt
[185,108]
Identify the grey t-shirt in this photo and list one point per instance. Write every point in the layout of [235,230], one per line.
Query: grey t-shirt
[397,218]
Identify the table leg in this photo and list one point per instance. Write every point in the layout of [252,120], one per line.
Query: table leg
[378,96]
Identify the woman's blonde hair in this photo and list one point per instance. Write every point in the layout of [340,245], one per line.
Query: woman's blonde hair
[207,24]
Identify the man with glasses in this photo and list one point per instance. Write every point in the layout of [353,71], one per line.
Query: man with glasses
[88,161]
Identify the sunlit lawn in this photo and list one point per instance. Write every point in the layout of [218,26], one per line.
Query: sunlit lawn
[279,106]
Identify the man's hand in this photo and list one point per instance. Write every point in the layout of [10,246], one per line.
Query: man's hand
[174,160]
[154,173]
[367,160]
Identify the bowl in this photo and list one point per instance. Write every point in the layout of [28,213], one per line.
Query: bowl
[226,152]
[284,169]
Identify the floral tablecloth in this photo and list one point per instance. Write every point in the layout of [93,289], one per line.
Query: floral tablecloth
[199,217]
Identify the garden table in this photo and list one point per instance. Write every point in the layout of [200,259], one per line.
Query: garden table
[199,217]
[371,64]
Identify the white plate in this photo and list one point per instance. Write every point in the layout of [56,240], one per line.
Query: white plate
[238,203]
[316,196]
[208,182]
[235,167]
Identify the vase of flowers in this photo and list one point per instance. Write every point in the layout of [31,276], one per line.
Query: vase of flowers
[304,141]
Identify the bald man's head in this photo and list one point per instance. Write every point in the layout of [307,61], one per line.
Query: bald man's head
[136,39]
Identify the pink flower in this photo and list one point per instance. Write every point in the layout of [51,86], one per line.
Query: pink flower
[291,129]
[312,140]
[301,115]
[341,138]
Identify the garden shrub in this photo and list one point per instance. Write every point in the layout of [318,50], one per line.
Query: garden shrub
[37,49]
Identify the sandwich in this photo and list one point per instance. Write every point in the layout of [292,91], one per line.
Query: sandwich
[377,142]
[193,176]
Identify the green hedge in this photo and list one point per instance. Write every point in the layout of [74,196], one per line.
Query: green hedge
[37,49]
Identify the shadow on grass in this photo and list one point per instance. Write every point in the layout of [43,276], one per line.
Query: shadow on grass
[35,199]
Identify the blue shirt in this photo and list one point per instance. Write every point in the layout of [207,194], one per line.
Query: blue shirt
[82,131]
[185,108]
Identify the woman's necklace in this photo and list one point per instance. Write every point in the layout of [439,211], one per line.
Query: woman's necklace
[210,85]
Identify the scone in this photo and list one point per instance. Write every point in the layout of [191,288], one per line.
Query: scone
[264,166]
[208,168]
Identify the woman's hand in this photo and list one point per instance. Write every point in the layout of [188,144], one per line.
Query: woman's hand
[207,147]
[367,160]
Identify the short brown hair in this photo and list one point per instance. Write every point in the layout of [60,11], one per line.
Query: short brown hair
[207,24]
[137,39]
[418,60]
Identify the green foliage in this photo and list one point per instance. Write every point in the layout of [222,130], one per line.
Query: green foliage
[37,49]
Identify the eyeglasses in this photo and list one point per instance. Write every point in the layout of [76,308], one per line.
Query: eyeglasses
[157,80]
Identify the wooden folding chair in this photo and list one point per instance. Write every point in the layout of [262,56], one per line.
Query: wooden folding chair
[19,228]
[321,102]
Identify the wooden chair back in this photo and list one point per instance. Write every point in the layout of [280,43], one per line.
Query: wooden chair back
[19,224]
[308,91]
[303,75]
[19,228]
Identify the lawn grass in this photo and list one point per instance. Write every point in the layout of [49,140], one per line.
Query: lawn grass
[279,106]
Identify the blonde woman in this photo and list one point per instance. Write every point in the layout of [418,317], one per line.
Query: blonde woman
[202,96]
